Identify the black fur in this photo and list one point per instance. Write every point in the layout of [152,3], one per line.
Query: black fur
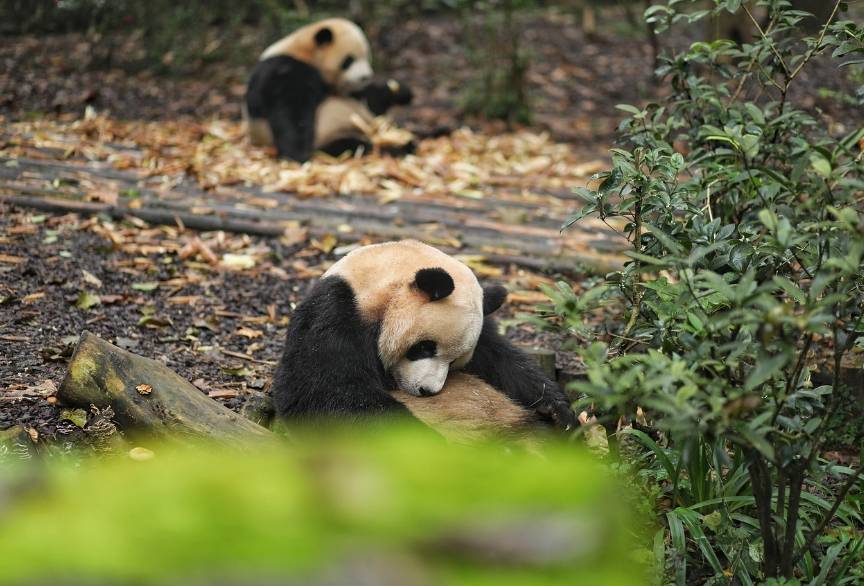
[493,298]
[287,93]
[435,283]
[330,366]
[379,97]
[324,37]
[517,375]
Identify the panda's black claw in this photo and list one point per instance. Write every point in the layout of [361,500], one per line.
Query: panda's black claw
[558,413]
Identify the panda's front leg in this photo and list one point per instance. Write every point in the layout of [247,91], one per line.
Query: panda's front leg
[510,370]
[330,366]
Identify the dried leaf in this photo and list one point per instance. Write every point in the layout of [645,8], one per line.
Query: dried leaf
[91,278]
[327,243]
[237,262]
[10,259]
[249,333]
[144,389]
[33,298]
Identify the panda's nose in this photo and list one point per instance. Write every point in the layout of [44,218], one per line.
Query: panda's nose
[365,79]
[424,392]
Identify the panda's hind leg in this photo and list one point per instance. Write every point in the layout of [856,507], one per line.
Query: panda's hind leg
[352,145]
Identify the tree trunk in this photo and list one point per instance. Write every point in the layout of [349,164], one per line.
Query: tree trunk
[148,397]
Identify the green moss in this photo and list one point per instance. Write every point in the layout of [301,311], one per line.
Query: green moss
[296,511]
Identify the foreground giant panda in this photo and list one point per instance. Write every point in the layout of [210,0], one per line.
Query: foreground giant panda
[402,316]
[307,88]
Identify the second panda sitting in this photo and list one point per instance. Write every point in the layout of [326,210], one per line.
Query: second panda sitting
[307,90]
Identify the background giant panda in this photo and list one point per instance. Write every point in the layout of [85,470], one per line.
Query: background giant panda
[404,315]
[295,75]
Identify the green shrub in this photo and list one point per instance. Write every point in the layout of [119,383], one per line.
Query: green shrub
[746,273]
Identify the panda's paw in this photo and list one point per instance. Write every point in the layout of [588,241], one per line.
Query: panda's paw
[560,413]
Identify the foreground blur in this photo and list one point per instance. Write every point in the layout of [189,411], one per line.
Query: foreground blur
[394,508]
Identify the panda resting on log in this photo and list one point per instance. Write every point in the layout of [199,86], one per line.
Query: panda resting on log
[402,328]
[307,89]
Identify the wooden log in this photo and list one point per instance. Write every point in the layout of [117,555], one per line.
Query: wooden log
[148,397]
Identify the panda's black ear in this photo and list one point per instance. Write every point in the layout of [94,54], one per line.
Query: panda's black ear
[436,283]
[493,298]
[324,36]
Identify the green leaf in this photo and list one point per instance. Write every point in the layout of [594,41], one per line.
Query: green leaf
[628,108]
[679,542]
[665,239]
[755,113]
[713,521]
[820,164]
[765,368]
[147,286]
[86,300]
[791,289]
[649,443]
[75,416]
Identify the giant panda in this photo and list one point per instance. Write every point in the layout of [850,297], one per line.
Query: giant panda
[305,89]
[336,123]
[403,319]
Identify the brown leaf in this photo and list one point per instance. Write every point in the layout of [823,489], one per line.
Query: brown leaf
[32,298]
[144,389]
[327,243]
[293,236]
[248,333]
[10,259]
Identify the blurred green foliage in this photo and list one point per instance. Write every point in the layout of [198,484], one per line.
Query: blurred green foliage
[391,501]
[493,35]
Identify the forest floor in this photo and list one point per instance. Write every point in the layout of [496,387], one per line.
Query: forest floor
[105,156]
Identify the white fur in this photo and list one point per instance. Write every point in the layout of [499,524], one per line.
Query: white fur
[356,77]
[426,373]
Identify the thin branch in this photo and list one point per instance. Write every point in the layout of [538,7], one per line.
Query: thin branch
[812,52]
[767,39]
[749,70]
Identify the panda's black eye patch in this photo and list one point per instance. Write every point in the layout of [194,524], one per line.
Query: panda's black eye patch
[421,350]
[347,62]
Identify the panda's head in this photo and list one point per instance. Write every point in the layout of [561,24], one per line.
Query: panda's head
[336,47]
[429,308]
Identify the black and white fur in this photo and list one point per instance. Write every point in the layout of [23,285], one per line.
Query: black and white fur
[295,76]
[332,365]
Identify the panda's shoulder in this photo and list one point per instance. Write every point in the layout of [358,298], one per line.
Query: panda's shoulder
[285,66]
